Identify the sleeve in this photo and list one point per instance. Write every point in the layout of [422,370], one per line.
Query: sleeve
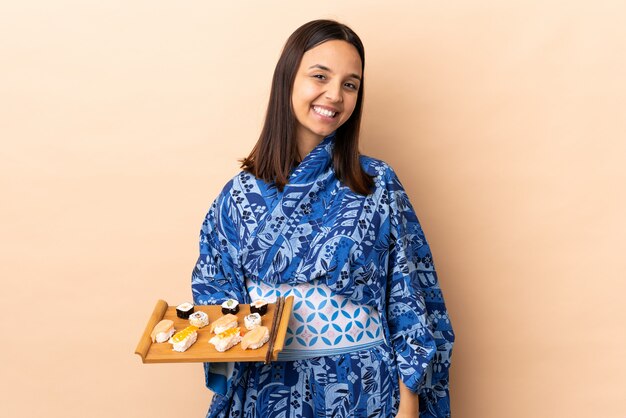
[419,326]
[217,277]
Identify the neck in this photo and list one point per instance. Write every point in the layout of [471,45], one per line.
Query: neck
[306,143]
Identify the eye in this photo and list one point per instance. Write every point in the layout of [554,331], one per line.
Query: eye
[352,86]
[319,75]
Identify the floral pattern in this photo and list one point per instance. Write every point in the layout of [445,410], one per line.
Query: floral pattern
[370,250]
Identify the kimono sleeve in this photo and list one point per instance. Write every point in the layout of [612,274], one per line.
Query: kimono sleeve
[419,327]
[217,277]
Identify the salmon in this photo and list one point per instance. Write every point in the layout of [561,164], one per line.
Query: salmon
[166,326]
[255,338]
[223,322]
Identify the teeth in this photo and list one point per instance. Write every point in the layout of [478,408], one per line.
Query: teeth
[324,111]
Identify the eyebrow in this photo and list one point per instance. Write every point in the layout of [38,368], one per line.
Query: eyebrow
[322,67]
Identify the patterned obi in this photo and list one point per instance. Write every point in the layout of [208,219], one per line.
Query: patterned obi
[321,323]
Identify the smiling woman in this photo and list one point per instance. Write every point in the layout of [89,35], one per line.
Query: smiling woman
[310,217]
[321,67]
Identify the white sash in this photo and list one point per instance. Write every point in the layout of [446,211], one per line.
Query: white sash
[322,323]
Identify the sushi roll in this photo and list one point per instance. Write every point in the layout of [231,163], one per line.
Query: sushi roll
[252,321]
[162,331]
[259,306]
[256,338]
[222,324]
[184,310]
[231,306]
[182,340]
[199,319]
[226,339]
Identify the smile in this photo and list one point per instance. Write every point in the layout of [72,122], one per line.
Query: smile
[324,112]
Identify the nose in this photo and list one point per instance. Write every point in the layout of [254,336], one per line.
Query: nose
[333,93]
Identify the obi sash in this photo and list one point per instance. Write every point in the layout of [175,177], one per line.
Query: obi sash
[321,323]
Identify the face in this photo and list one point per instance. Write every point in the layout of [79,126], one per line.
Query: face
[325,89]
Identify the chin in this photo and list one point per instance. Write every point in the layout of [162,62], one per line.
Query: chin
[320,131]
[325,133]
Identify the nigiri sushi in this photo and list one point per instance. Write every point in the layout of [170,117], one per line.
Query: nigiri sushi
[222,324]
[182,340]
[163,331]
[255,338]
[226,339]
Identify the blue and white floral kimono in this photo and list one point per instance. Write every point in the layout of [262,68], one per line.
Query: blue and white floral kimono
[368,308]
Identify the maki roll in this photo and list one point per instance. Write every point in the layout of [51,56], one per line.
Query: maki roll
[222,324]
[256,338]
[199,319]
[259,306]
[226,339]
[231,306]
[162,331]
[252,321]
[182,340]
[184,310]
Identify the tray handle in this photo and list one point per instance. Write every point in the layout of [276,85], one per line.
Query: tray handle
[144,343]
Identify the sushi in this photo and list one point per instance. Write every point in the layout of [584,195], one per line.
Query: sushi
[255,338]
[162,331]
[182,340]
[222,324]
[252,321]
[231,306]
[259,306]
[226,339]
[184,310]
[199,319]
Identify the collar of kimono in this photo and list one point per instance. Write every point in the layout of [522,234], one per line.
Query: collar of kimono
[315,162]
[269,250]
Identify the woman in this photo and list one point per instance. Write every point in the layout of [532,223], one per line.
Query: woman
[309,216]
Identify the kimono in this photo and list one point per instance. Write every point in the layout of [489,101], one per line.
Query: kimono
[369,251]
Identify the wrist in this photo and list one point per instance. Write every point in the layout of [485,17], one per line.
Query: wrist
[409,401]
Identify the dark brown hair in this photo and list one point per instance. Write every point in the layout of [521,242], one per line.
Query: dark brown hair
[276,151]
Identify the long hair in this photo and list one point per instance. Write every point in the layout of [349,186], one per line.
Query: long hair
[276,151]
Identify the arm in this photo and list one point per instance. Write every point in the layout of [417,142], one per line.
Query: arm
[216,277]
[420,330]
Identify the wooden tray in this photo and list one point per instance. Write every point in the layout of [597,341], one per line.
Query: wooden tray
[202,350]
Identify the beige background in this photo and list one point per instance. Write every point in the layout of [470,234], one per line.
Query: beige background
[120,121]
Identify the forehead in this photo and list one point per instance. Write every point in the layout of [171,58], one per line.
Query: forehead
[339,56]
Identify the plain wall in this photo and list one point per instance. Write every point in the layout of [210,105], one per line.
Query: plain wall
[120,122]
